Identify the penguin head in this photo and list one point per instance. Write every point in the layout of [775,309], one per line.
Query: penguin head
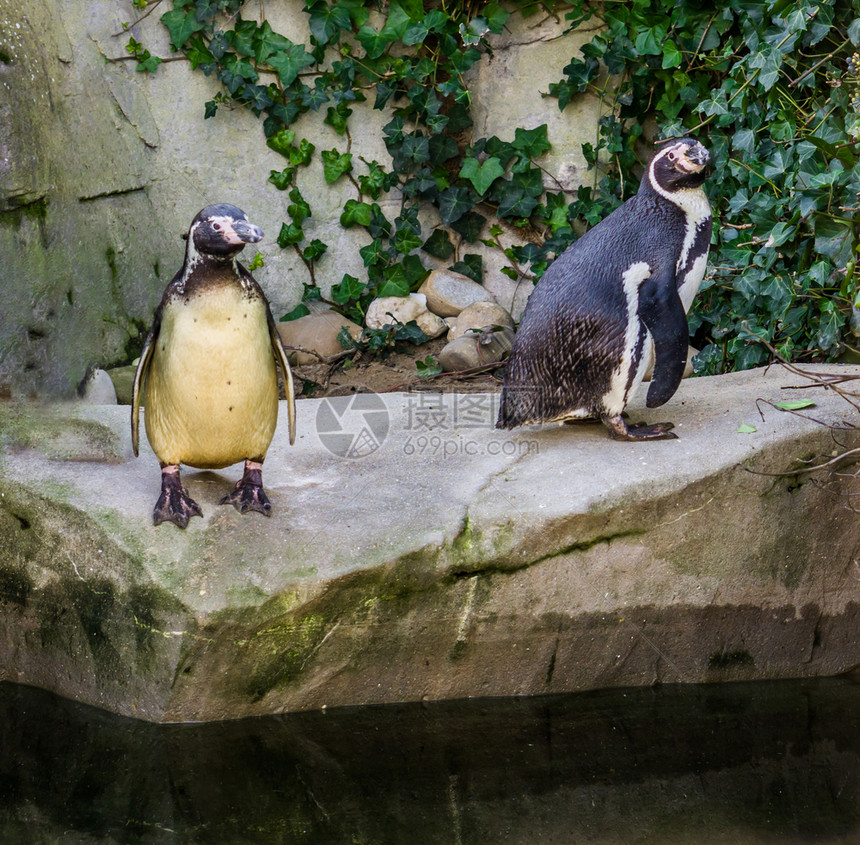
[221,231]
[680,165]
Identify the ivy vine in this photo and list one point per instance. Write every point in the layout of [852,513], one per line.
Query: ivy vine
[771,88]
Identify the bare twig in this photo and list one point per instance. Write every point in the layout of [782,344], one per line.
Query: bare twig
[471,371]
[146,14]
[323,359]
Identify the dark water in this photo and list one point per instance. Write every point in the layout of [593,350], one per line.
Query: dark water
[744,763]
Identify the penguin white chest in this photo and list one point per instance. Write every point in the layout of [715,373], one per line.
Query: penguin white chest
[211,395]
[693,259]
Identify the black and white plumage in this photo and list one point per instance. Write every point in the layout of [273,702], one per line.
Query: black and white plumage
[208,369]
[615,297]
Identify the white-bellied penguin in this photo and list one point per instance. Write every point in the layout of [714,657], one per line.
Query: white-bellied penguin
[615,297]
[208,369]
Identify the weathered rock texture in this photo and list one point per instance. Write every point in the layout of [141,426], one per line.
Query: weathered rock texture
[452,561]
[103,168]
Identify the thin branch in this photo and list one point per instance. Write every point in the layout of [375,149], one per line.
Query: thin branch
[471,371]
[323,359]
[144,15]
[816,66]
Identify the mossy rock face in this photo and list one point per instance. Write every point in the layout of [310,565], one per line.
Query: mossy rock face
[82,610]
[57,435]
[580,563]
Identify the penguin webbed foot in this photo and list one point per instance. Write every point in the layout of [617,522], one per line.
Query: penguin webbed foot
[620,430]
[174,504]
[248,494]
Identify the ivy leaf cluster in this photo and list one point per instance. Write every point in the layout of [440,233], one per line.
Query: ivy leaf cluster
[414,63]
[768,88]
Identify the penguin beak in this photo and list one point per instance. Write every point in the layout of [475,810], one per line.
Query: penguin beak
[244,232]
[694,159]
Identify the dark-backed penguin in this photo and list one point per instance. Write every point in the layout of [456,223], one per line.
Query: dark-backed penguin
[616,297]
[208,369]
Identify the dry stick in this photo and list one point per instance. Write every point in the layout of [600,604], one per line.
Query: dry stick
[471,371]
[323,359]
[816,66]
[828,384]
[145,14]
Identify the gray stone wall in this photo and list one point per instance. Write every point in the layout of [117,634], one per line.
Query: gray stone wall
[102,169]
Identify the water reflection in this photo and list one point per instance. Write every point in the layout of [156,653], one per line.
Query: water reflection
[744,763]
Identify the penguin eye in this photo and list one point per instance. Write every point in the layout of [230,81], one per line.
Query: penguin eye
[672,156]
[216,227]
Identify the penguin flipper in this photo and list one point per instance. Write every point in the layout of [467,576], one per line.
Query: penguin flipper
[139,376]
[662,311]
[284,364]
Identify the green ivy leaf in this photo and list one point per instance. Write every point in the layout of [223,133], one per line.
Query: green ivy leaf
[672,56]
[327,22]
[472,266]
[289,62]
[768,60]
[301,310]
[336,117]
[299,210]
[395,282]
[282,179]
[314,98]
[374,43]
[147,63]
[469,226]
[532,143]
[373,254]
[302,154]
[436,20]
[399,18]
[415,148]
[241,37]
[439,245]
[335,164]
[355,212]
[289,235]
[496,17]
[482,175]
[405,240]
[394,131]
[649,41]
[454,203]
[795,404]
[834,238]
[411,333]
[428,368]
[348,289]
[266,42]
[415,33]
[314,250]
[746,428]
[462,60]
[281,142]
[181,26]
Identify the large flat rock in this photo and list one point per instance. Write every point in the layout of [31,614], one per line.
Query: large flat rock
[418,553]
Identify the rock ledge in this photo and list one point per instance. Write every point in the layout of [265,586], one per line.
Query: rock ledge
[444,559]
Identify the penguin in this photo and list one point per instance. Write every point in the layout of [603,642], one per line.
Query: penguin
[613,299]
[208,369]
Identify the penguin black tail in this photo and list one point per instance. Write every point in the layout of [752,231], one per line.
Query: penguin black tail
[513,410]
